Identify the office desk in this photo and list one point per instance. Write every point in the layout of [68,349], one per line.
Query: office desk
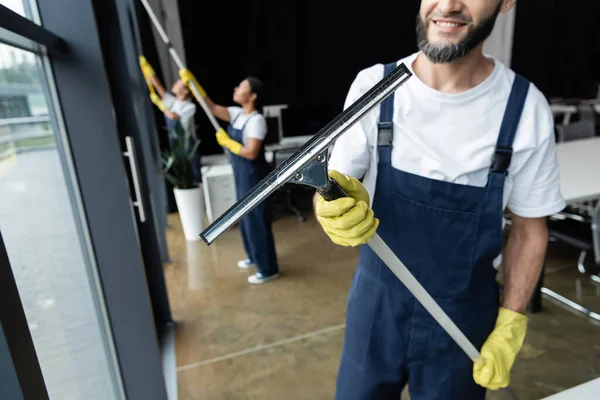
[568,110]
[218,182]
[214,159]
[293,199]
[579,165]
[288,143]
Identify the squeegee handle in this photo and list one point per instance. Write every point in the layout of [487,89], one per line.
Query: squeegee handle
[332,192]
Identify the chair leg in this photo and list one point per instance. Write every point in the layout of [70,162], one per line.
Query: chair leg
[535,304]
[571,303]
[583,270]
[290,206]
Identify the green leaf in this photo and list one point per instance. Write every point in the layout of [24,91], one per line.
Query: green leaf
[177,161]
[193,151]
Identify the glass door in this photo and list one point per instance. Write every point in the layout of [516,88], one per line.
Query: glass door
[75,260]
[44,232]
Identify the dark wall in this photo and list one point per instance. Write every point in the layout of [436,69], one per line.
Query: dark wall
[557,46]
[308,52]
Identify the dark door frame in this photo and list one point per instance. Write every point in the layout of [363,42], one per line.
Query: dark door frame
[90,135]
[18,339]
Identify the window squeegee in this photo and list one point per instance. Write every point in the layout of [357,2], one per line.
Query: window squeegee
[186,75]
[308,166]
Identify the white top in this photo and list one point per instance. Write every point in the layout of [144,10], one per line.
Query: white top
[451,137]
[255,128]
[185,109]
[579,162]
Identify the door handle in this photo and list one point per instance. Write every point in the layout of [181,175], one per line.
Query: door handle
[130,154]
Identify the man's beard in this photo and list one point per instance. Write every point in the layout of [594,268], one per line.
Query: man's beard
[450,52]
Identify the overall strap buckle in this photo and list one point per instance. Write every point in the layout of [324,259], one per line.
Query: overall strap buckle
[385,133]
[501,160]
[385,126]
[509,126]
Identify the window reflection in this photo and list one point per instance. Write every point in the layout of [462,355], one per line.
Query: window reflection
[41,233]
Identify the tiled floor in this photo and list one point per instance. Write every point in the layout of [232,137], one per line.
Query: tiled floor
[283,340]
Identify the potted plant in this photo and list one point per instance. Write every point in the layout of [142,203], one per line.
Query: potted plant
[178,170]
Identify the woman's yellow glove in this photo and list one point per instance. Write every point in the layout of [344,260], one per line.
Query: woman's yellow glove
[348,221]
[158,102]
[187,77]
[500,350]
[224,140]
[146,67]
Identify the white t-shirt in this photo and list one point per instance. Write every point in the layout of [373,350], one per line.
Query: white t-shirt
[451,137]
[185,109]
[255,128]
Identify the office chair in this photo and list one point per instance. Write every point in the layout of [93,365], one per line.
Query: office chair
[573,226]
[279,156]
[579,233]
[584,127]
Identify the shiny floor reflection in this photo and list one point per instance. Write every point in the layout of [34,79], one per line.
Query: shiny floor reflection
[282,340]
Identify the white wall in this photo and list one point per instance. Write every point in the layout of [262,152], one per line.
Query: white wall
[499,44]
[167,12]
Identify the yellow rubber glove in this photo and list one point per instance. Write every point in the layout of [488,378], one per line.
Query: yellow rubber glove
[187,77]
[146,67]
[499,351]
[348,221]
[224,140]
[158,102]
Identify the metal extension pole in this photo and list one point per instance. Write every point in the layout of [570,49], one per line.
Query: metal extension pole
[412,284]
[180,65]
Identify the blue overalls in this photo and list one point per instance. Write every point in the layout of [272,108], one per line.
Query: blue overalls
[255,227]
[196,164]
[448,236]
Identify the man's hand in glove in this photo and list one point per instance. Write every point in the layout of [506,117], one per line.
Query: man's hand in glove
[500,350]
[348,221]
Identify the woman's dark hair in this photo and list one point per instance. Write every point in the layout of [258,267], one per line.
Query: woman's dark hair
[256,86]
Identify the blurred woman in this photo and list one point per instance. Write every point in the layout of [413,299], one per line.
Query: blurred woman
[245,141]
[179,109]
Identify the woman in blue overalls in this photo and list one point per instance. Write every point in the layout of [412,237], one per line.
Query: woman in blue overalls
[245,141]
[179,111]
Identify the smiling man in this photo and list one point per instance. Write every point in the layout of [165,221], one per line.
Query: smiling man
[432,170]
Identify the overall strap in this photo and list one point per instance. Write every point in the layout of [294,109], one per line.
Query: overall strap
[510,124]
[385,126]
[386,114]
[247,119]
[233,120]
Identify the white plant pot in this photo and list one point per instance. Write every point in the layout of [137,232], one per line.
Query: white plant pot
[190,204]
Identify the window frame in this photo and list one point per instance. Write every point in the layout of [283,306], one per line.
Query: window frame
[72,57]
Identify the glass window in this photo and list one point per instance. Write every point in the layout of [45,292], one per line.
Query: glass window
[17,6]
[45,237]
